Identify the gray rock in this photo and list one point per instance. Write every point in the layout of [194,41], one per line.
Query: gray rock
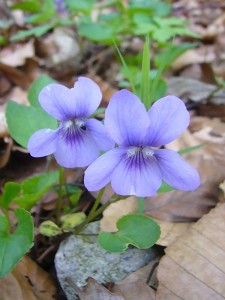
[80,257]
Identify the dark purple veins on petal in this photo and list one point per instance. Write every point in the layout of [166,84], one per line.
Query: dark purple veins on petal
[72,130]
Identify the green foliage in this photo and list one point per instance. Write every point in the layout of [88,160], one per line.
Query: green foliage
[36,88]
[70,221]
[165,188]
[14,244]
[45,14]
[33,188]
[11,190]
[2,40]
[145,75]
[36,31]
[151,81]
[23,120]
[134,229]
[49,228]
[84,6]
[97,32]
[29,6]
[164,60]
[136,18]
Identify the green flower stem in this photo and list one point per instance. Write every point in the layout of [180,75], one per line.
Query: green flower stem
[96,204]
[141,203]
[60,194]
[94,213]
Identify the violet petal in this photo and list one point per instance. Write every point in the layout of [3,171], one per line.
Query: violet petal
[168,119]
[87,96]
[126,119]
[58,101]
[42,142]
[136,176]
[99,173]
[76,151]
[98,132]
[176,171]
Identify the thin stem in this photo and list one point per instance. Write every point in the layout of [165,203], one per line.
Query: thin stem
[95,213]
[96,204]
[60,194]
[141,203]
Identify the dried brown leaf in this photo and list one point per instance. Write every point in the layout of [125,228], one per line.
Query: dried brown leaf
[15,55]
[203,54]
[16,76]
[93,291]
[135,290]
[193,267]
[27,281]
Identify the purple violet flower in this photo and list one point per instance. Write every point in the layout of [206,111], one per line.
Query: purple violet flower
[136,167]
[77,141]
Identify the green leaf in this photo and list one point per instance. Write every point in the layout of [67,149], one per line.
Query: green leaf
[190,149]
[172,52]
[165,188]
[130,75]
[152,8]
[11,190]
[49,228]
[2,40]
[34,188]
[30,6]
[135,229]
[46,14]
[15,245]
[144,28]
[84,6]
[112,242]
[23,121]
[170,27]
[75,197]
[97,32]
[145,78]
[36,31]
[70,221]
[36,87]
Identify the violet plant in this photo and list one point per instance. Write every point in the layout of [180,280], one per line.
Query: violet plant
[133,162]
[61,122]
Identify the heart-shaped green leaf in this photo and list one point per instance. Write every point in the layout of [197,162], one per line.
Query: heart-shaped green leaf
[36,88]
[24,120]
[138,230]
[15,245]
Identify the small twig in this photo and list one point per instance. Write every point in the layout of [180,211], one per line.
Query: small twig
[45,253]
[151,272]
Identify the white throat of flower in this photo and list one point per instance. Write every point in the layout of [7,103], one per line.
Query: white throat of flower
[71,123]
[145,151]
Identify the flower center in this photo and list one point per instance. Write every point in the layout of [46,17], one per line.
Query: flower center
[73,129]
[74,124]
[145,151]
